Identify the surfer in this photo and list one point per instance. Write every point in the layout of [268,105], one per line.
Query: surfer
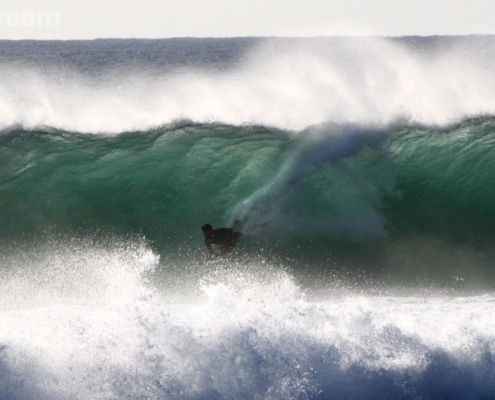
[226,238]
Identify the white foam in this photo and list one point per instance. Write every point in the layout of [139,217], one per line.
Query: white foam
[253,334]
[290,86]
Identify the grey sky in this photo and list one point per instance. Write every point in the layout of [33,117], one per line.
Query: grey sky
[88,19]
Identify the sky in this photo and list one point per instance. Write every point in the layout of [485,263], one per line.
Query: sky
[89,19]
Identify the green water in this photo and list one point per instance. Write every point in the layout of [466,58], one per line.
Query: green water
[430,190]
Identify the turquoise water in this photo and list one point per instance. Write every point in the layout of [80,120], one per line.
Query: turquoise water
[298,195]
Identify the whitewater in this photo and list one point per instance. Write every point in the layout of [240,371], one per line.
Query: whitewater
[360,171]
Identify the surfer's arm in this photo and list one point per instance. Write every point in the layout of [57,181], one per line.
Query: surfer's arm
[208,246]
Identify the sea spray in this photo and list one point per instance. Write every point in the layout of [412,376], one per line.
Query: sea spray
[278,82]
[324,144]
[58,270]
[254,334]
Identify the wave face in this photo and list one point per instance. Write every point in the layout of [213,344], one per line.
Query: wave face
[333,196]
[359,171]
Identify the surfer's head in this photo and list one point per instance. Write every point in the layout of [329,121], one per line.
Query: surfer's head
[207,228]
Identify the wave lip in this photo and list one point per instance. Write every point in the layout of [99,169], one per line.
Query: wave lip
[285,83]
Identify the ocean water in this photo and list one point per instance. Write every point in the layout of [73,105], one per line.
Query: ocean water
[360,170]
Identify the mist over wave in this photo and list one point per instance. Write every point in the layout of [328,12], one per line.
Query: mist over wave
[328,144]
[125,85]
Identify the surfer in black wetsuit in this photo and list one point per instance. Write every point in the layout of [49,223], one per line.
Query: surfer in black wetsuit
[226,238]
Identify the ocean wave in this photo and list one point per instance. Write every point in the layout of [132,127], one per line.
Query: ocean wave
[358,168]
[345,197]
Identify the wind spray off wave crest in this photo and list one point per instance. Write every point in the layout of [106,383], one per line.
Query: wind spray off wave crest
[285,83]
[326,146]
